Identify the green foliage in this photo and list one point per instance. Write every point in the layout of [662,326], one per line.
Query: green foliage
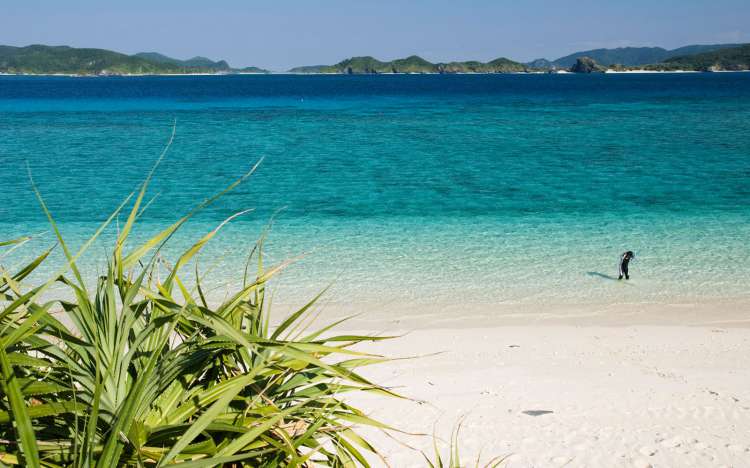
[360,65]
[718,58]
[139,369]
[504,65]
[634,56]
[622,57]
[735,58]
[62,59]
[453,459]
[195,62]
[412,64]
[42,59]
[631,56]
[499,65]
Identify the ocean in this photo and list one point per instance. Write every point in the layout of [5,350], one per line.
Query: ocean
[404,192]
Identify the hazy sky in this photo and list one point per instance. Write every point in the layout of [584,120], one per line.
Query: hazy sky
[284,33]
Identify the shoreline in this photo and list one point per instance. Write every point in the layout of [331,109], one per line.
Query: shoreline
[423,317]
[557,72]
[550,395]
[128,75]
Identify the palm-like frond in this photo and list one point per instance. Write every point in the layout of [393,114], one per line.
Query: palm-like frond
[139,373]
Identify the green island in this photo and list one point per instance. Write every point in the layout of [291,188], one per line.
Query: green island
[413,64]
[723,59]
[64,60]
[630,56]
[720,57]
[732,59]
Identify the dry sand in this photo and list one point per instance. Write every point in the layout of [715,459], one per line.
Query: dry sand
[547,394]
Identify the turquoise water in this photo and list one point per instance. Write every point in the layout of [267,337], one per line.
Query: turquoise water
[426,190]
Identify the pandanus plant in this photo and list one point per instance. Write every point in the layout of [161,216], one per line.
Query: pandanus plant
[140,369]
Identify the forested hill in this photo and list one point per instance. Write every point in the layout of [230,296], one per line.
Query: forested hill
[412,64]
[733,59]
[635,56]
[43,59]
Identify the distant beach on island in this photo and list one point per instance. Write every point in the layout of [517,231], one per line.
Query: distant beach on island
[46,60]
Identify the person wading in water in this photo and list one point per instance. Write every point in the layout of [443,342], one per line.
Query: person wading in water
[624,261]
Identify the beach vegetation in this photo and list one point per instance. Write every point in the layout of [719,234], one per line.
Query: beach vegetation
[138,368]
[452,459]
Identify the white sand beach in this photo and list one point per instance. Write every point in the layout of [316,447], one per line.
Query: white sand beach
[579,394]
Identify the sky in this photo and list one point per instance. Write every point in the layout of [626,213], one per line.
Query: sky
[280,34]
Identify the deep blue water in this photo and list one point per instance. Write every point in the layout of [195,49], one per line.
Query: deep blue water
[486,188]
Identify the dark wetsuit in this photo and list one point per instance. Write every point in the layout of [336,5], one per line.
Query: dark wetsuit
[624,261]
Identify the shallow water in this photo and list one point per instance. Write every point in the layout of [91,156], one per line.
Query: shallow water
[436,190]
